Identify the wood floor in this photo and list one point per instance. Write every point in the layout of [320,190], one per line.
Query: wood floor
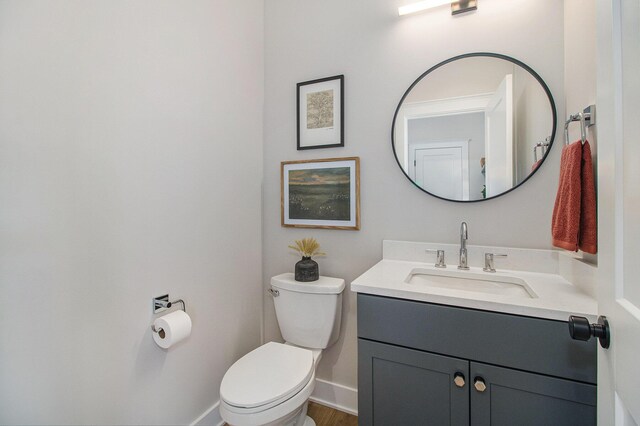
[325,416]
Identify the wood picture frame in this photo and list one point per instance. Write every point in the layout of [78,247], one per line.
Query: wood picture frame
[321,193]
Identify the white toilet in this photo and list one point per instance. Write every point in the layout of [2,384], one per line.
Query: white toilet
[271,385]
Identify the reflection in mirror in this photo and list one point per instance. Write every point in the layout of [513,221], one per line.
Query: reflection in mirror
[474,127]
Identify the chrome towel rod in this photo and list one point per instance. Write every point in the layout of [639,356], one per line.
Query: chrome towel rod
[543,147]
[587,118]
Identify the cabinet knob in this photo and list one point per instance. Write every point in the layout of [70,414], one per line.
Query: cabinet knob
[458,379]
[479,384]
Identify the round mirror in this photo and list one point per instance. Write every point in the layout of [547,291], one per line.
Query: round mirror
[474,127]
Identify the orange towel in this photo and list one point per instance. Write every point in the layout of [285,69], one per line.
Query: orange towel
[574,214]
[565,225]
[588,216]
[536,165]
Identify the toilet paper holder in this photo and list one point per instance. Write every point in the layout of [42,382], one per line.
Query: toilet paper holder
[162,303]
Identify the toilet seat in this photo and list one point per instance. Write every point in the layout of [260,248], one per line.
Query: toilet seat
[276,414]
[266,377]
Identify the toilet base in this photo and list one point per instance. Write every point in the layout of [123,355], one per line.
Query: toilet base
[297,417]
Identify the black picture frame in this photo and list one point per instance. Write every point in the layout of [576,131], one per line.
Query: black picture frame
[324,132]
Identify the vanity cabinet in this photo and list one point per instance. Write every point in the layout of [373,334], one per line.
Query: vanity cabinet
[426,364]
[517,397]
[401,386]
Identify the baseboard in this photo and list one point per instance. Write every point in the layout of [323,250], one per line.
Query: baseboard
[211,417]
[334,395]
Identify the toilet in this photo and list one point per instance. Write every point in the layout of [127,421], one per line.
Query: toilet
[271,385]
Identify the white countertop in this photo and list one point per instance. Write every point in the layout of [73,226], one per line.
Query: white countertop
[557,297]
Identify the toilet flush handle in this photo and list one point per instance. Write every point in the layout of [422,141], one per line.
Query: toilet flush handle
[274,292]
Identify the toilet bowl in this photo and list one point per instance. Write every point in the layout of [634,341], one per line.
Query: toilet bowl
[271,385]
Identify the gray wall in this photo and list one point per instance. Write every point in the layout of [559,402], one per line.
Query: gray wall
[128,169]
[380,55]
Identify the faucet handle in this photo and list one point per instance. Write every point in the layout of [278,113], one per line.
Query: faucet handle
[439,258]
[488,261]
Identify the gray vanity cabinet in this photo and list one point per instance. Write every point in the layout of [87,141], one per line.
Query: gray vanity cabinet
[406,384]
[516,397]
[426,364]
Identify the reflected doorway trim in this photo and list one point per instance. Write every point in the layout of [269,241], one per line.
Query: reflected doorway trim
[463,144]
[437,108]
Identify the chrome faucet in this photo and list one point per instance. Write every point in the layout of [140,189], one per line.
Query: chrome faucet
[464,236]
[489,261]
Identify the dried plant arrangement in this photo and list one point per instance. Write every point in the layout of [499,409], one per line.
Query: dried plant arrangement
[307,247]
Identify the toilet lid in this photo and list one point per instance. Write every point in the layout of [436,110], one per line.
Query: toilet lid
[271,372]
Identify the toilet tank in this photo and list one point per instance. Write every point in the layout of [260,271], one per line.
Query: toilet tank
[309,313]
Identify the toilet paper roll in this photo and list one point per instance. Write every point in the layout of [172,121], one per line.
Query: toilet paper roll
[171,329]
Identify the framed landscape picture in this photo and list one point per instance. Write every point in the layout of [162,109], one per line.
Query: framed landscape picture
[320,113]
[321,193]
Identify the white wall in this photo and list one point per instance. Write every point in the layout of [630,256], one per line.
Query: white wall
[130,166]
[532,126]
[380,55]
[464,77]
[580,62]
[580,73]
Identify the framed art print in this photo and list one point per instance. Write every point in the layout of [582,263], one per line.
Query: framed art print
[320,113]
[321,193]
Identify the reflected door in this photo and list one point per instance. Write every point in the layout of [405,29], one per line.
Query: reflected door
[499,139]
[444,168]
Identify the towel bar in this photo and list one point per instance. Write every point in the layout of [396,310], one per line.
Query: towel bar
[587,118]
[543,148]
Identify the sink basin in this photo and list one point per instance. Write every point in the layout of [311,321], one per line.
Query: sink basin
[471,282]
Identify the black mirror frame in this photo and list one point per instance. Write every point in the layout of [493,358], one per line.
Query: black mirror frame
[470,55]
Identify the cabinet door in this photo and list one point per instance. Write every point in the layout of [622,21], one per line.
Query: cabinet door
[511,397]
[399,386]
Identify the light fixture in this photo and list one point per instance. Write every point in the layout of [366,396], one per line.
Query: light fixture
[457,7]
[420,6]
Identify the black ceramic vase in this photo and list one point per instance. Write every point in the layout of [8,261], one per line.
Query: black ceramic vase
[307,270]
